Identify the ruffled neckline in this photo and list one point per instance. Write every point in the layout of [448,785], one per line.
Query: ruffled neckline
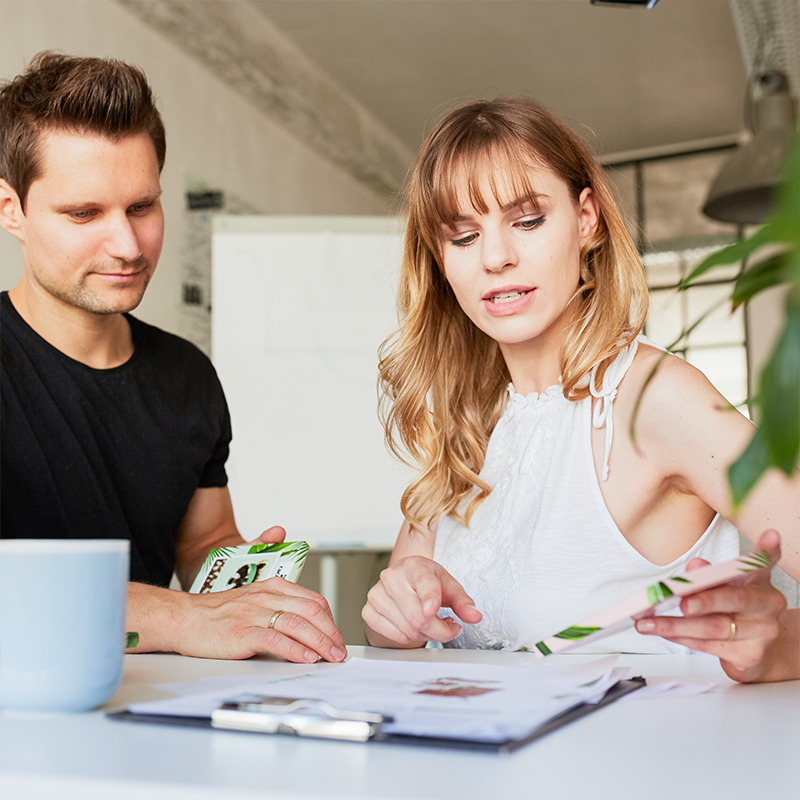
[534,398]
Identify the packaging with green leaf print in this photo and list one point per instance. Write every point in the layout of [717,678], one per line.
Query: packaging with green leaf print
[657,598]
[231,567]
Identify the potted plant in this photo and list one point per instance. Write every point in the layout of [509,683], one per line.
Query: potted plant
[770,257]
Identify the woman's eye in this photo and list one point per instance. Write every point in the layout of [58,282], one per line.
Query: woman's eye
[530,224]
[464,241]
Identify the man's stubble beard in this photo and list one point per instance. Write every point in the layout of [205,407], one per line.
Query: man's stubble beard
[82,297]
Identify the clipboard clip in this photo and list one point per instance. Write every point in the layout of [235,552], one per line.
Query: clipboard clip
[296,716]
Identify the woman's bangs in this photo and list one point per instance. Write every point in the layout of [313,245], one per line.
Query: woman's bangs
[465,175]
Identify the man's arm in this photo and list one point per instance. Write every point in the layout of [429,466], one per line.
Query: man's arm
[232,624]
[208,523]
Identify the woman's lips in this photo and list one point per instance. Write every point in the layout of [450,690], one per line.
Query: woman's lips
[508,299]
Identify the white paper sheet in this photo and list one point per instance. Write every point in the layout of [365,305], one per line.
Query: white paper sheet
[663,688]
[465,701]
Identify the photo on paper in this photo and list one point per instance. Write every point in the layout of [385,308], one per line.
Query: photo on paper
[457,687]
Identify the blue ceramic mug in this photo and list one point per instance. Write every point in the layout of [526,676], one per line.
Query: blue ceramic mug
[62,622]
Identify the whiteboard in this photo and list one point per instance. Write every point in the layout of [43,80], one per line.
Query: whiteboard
[300,306]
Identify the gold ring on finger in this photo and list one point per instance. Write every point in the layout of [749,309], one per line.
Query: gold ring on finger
[273,619]
[732,634]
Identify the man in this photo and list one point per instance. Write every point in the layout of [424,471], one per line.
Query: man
[112,428]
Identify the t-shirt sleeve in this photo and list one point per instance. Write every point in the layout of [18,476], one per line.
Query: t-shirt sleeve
[214,473]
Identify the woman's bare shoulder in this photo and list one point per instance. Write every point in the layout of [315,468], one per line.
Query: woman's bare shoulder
[668,395]
[668,379]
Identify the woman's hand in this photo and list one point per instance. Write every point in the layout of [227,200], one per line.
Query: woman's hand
[402,608]
[739,622]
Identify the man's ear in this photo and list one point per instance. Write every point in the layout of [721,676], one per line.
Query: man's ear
[10,210]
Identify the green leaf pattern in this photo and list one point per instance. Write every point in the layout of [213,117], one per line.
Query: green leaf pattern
[758,559]
[575,632]
[658,592]
[289,547]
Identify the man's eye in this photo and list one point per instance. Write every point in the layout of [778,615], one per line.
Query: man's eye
[81,215]
[140,208]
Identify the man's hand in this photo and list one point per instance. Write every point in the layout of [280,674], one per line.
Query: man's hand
[235,623]
[402,608]
[274,535]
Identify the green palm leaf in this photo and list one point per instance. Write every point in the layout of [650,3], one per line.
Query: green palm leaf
[757,560]
[577,632]
[658,592]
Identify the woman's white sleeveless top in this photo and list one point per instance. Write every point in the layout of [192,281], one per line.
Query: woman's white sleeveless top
[542,551]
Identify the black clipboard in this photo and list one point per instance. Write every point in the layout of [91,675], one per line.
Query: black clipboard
[306,719]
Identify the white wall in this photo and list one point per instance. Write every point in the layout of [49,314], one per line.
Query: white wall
[213,135]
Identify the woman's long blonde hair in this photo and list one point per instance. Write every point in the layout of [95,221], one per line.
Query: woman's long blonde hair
[443,381]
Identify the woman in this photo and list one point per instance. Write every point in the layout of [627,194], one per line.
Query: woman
[524,518]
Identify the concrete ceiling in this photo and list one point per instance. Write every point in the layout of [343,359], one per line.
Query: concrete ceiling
[629,78]
[362,81]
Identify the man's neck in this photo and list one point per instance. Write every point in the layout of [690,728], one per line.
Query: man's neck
[97,340]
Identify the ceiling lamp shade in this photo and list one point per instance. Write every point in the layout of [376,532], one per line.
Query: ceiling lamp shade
[625,3]
[743,191]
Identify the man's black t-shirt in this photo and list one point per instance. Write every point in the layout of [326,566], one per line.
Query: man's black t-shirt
[107,454]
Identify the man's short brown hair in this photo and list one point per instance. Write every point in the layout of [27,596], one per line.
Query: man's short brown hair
[82,95]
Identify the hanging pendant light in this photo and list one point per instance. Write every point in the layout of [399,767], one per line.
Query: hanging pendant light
[743,190]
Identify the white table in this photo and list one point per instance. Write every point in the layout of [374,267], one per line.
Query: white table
[731,743]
